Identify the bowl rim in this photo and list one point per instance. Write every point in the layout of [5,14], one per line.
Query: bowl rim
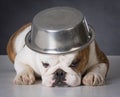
[56,51]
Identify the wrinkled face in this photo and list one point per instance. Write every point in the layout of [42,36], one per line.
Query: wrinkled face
[59,70]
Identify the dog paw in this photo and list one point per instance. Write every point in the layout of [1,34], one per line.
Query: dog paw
[24,78]
[93,79]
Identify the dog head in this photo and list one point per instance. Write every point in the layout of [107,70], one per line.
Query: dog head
[62,70]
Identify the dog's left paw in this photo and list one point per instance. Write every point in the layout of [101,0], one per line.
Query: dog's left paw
[24,78]
[93,79]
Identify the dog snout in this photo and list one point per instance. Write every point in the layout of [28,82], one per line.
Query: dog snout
[60,74]
[59,77]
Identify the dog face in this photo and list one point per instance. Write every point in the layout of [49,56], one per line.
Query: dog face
[56,70]
[60,70]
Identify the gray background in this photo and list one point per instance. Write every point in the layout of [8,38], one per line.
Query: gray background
[103,15]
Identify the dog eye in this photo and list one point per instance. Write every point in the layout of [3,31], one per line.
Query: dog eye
[75,63]
[45,64]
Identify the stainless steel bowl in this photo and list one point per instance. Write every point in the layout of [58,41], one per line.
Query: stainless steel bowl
[59,30]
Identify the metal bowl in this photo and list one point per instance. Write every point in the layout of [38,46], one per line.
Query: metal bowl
[59,30]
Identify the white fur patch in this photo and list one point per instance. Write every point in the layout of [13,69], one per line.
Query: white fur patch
[92,55]
[73,79]
[20,40]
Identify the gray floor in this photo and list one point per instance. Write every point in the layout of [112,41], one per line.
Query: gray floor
[8,89]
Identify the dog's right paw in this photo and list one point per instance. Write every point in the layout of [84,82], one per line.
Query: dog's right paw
[25,78]
[93,79]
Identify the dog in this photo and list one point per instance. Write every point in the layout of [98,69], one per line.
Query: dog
[86,67]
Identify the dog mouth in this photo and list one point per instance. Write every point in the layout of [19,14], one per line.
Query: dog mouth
[60,84]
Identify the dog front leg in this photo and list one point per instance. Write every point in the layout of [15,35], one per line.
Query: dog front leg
[95,75]
[25,74]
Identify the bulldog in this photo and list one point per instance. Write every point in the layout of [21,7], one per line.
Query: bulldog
[88,66]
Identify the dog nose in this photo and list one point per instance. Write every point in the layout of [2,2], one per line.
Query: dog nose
[60,75]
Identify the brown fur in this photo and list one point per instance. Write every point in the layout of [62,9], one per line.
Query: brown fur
[10,46]
[84,57]
[101,56]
